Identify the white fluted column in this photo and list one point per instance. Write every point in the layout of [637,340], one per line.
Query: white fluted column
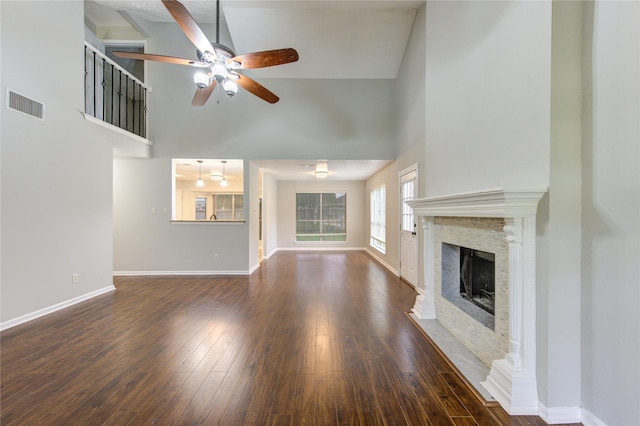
[425,306]
[512,380]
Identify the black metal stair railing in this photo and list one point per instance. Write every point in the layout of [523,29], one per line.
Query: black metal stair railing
[112,94]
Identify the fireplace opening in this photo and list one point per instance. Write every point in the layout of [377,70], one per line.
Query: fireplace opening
[468,281]
[478,278]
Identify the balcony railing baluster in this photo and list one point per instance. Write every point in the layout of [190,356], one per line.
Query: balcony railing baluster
[132,101]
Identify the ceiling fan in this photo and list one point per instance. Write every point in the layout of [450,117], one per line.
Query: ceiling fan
[218,64]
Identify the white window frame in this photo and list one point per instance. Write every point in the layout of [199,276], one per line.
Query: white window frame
[378,218]
[301,238]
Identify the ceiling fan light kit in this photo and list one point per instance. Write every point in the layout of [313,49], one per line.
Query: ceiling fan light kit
[218,64]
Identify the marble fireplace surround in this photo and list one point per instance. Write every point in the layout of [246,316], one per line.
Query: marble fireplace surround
[512,379]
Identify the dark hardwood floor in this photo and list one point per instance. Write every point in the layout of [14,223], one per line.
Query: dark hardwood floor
[319,338]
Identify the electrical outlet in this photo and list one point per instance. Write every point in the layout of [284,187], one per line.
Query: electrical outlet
[166,210]
[74,278]
[216,256]
[153,210]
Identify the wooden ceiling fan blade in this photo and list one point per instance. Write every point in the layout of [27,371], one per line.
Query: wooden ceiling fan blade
[257,89]
[189,26]
[202,95]
[160,58]
[267,58]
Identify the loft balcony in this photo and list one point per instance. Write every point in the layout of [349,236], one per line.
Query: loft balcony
[114,97]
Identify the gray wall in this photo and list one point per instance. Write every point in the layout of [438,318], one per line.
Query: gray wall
[315,119]
[611,213]
[559,220]
[487,95]
[409,143]
[357,228]
[270,215]
[56,174]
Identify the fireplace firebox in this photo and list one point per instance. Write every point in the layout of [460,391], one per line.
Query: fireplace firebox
[478,278]
[469,282]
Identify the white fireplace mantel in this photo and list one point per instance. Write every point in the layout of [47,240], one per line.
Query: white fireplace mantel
[511,380]
[490,203]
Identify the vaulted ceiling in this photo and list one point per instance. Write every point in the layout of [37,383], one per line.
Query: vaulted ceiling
[335,39]
[358,39]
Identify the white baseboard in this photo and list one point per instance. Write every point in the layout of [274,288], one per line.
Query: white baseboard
[589,419]
[560,415]
[303,247]
[381,261]
[176,273]
[255,267]
[45,311]
[268,255]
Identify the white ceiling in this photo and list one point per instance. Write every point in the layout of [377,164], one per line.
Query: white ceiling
[354,170]
[358,39]
[339,170]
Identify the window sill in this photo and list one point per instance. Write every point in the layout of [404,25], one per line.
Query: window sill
[378,249]
[323,243]
[205,222]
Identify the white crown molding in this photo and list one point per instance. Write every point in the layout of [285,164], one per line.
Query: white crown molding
[489,203]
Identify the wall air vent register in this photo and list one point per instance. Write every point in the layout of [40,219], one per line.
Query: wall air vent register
[25,105]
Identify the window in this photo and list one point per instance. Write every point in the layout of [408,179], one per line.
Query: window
[408,194]
[201,208]
[228,207]
[321,216]
[378,218]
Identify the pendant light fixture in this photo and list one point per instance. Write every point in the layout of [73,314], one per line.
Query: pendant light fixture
[199,182]
[224,182]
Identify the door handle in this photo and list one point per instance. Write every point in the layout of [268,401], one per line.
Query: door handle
[413,233]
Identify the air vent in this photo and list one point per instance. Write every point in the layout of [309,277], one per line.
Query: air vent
[17,102]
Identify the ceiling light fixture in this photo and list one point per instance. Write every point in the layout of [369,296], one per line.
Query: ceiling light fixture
[202,79]
[230,87]
[224,182]
[322,170]
[199,182]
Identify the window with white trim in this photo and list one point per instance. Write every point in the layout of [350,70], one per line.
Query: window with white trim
[321,216]
[378,218]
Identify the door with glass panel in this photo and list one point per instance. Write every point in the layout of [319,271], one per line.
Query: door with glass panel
[408,232]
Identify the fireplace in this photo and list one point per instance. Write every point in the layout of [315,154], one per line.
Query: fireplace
[501,223]
[469,281]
